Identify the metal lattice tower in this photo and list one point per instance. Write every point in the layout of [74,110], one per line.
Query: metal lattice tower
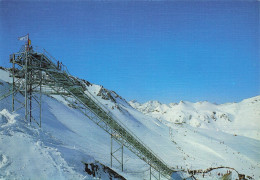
[35,72]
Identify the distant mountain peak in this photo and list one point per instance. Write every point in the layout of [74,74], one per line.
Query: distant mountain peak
[204,114]
[154,102]
[133,101]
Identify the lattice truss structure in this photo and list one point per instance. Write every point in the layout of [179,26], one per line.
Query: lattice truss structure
[36,72]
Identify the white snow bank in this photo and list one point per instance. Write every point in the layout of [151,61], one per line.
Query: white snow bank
[25,155]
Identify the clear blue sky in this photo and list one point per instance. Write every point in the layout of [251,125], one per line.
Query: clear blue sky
[166,51]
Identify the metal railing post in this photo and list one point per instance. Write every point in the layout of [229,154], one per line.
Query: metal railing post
[122,158]
[13,83]
[111,151]
[25,90]
[150,172]
[40,99]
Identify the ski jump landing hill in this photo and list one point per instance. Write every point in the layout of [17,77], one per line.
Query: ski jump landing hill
[36,72]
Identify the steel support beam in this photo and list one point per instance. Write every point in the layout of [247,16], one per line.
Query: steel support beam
[114,153]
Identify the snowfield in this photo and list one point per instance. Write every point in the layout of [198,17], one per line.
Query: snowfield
[187,136]
[234,118]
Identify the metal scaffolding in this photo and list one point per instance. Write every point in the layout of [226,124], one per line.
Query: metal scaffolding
[36,72]
[28,82]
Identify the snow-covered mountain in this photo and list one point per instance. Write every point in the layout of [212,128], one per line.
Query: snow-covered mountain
[234,118]
[187,136]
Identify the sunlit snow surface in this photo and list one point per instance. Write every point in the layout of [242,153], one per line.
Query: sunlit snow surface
[185,135]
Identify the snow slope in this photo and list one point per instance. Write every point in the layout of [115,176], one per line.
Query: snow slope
[241,118]
[25,152]
[67,137]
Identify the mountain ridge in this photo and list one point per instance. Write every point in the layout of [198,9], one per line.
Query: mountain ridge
[201,114]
